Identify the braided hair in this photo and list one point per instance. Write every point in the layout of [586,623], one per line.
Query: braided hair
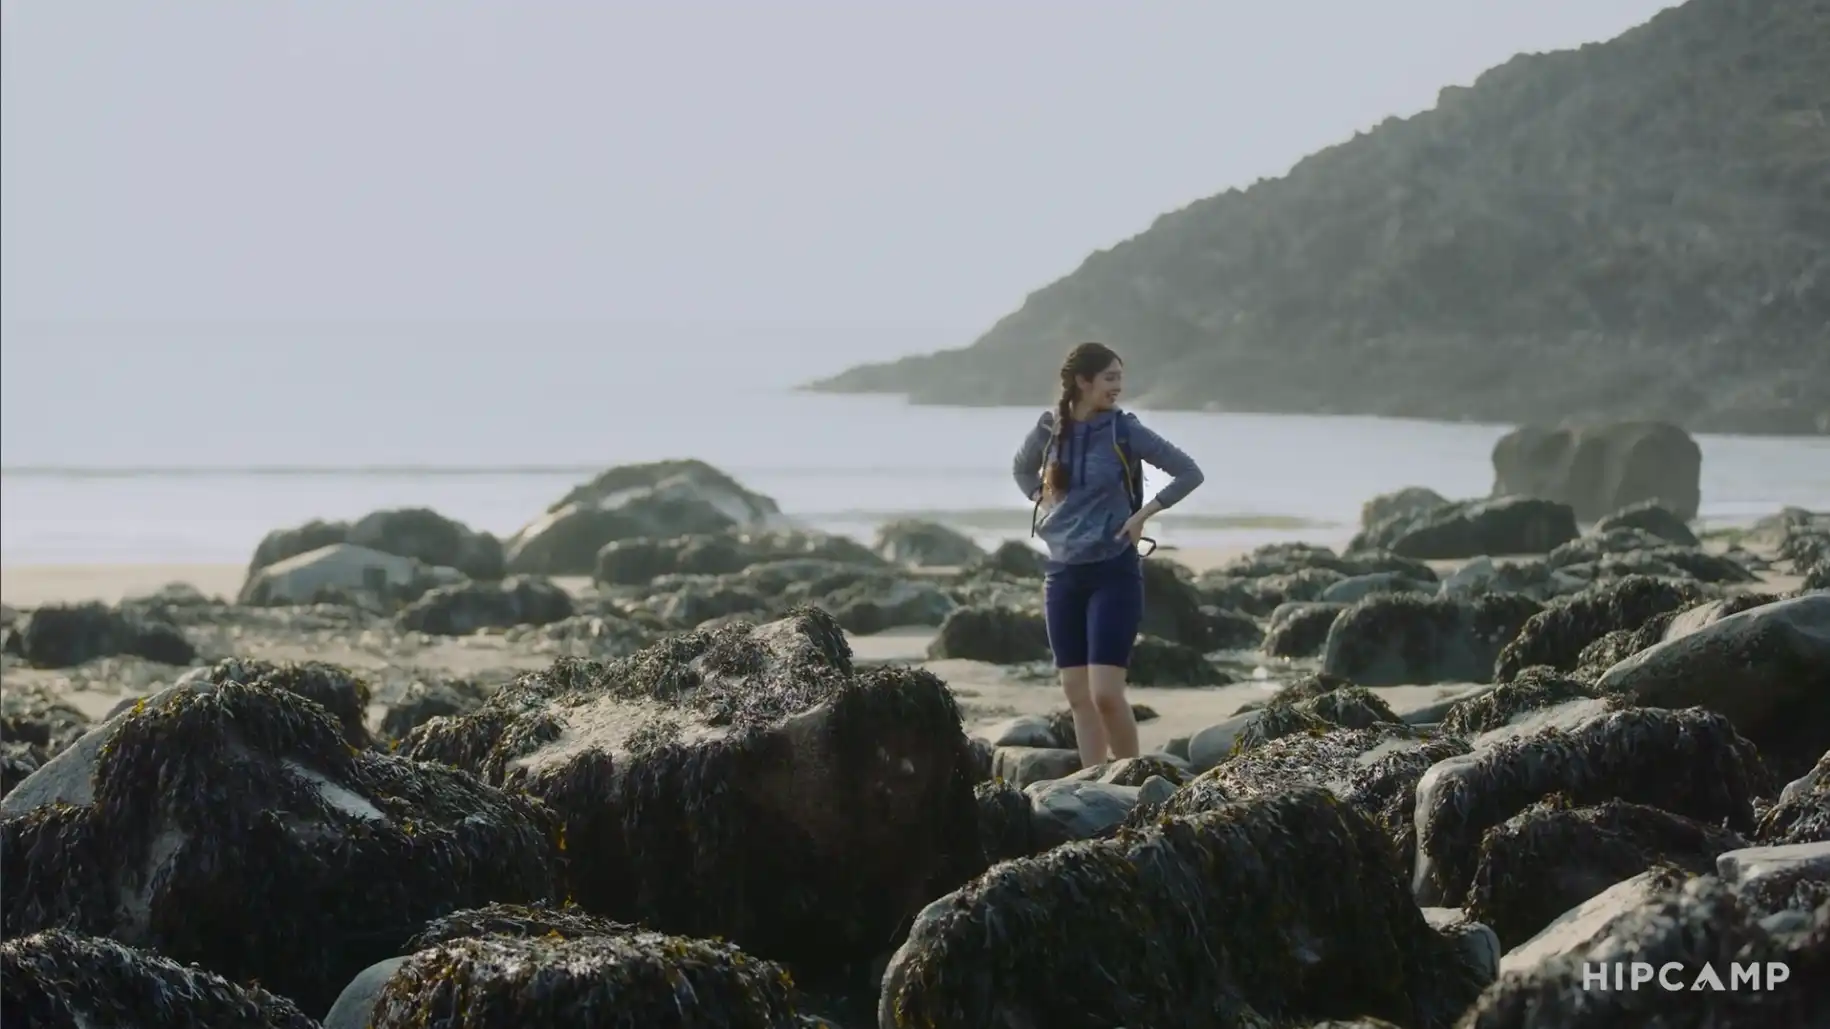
[1083,362]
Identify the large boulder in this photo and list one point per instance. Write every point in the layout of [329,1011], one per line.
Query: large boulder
[1600,469]
[1398,639]
[465,608]
[61,980]
[1228,917]
[924,544]
[1689,762]
[1552,857]
[743,782]
[67,635]
[234,826]
[1472,528]
[1698,934]
[996,635]
[1767,669]
[416,532]
[343,569]
[660,500]
[1557,635]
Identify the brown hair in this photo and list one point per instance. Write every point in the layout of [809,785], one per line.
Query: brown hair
[1083,362]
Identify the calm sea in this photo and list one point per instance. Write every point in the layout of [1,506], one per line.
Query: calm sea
[181,451]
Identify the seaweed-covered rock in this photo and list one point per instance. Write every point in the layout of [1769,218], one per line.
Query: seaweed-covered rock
[1396,639]
[1689,762]
[743,782]
[874,605]
[1471,528]
[465,608]
[635,979]
[1802,814]
[1011,557]
[1359,587]
[1766,668]
[1407,502]
[639,561]
[1817,577]
[338,690]
[1653,517]
[997,635]
[1159,662]
[1620,644]
[1533,689]
[424,700]
[1375,769]
[1551,857]
[1282,560]
[1703,924]
[1300,628]
[921,543]
[60,980]
[567,920]
[1173,606]
[35,726]
[1532,578]
[234,826]
[1083,809]
[1556,635]
[661,499]
[66,635]
[1006,821]
[1196,921]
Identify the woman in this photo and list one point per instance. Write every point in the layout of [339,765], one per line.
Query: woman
[1080,464]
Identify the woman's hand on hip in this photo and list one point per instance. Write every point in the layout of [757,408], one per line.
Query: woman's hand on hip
[1133,528]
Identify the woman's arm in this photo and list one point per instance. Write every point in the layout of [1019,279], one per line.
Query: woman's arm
[1184,474]
[1026,467]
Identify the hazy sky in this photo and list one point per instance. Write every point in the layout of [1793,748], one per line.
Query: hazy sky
[871,163]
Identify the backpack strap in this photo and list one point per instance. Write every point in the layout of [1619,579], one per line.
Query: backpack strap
[1133,469]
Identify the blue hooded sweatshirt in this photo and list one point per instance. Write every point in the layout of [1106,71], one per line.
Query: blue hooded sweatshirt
[1084,526]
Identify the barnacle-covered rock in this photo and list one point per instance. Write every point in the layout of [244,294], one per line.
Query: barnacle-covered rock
[1398,639]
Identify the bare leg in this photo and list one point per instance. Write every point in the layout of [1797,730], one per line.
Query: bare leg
[1107,684]
[1089,727]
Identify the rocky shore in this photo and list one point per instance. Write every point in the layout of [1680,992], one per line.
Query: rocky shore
[663,759]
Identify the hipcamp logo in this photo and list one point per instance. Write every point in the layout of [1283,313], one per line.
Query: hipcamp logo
[1674,976]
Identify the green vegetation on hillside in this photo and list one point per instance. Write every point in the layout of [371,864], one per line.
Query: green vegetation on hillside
[1635,229]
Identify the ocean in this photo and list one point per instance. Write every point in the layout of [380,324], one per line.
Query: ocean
[168,455]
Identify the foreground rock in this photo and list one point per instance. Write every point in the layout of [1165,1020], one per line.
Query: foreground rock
[1767,669]
[1802,814]
[744,782]
[1688,762]
[1557,635]
[1707,928]
[234,826]
[418,533]
[1201,921]
[1551,857]
[60,980]
[518,967]
[1394,639]
[1600,469]
[66,635]
[661,500]
[339,691]
[1471,528]
[1375,769]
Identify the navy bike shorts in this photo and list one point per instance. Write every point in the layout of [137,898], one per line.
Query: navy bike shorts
[1094,610]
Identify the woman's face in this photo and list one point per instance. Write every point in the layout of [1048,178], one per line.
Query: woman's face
[1102,390]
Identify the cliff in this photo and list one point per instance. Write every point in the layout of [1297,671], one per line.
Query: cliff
[1633,229]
